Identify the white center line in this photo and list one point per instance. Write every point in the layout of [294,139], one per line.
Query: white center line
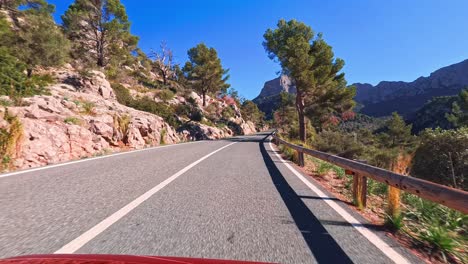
[373,238]
[80,241]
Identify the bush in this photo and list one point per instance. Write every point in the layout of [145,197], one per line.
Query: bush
[72,120]
[148,105]
[442,157]
[228,113]
[9,138]
[88,107]
[122,94]
[197,115]
[341,144]
[166,95]
[13,81]
[145,104]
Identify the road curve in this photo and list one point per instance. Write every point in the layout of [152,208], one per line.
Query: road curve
[228,199]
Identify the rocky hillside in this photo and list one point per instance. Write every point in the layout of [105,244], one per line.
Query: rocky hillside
[268,100]
[407,97]
[80,116]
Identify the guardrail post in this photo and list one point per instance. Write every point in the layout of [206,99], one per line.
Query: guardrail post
[300,157]
[360,190]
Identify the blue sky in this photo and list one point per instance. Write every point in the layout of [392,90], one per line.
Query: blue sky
[379,40]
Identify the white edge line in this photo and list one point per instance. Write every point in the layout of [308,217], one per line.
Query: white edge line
[91,159]
[87,236]
[373,238]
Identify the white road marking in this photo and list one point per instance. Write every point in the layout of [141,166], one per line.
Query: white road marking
[80,241]
[89,159]
[374,239]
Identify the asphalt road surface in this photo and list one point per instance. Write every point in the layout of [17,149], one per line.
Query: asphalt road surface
[228,199]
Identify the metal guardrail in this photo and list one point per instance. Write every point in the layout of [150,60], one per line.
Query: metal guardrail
[441,194]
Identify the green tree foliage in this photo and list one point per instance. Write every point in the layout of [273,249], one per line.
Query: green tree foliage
[459,115]
[250,111]
[38,41]
[310,62]
[100,30]
[13,81]
[398,134]
[41,42]
[442,157]
[341,144]
[205,72]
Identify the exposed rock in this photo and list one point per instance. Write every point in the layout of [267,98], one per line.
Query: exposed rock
[58,127]
[269,98]
[197,131]
[407,97]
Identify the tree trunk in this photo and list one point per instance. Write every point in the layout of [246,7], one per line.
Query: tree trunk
[164,75]
[29,72]
[204,98]
[300,112]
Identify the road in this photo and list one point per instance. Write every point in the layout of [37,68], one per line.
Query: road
[227,199]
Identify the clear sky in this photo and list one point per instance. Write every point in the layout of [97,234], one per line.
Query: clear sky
[379,40]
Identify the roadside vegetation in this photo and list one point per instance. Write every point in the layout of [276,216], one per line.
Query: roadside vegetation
[321,117]
[95,35]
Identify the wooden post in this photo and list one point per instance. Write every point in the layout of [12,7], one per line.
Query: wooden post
[400,166]
[360,191]
[393,209]
[300,157]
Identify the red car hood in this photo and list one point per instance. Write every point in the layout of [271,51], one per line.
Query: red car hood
[114,259]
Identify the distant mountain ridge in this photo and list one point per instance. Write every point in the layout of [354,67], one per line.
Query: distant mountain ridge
[406,98]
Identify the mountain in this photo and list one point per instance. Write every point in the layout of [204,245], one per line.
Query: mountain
[408,97]
[269,98]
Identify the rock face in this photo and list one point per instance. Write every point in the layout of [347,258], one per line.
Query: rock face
[407,97]
[81,118]
[269,98]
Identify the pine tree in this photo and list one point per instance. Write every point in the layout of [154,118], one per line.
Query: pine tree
[399,134]
[459,115]
[38,40]
[100,30]
[205,72]
[311,64]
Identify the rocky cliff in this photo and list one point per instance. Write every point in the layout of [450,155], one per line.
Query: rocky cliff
[268,100]
[407,97]
[80,117]
[386,97]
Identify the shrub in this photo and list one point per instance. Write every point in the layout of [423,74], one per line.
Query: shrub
[72,120]
[163,135]
[183,110]
[13,81]
[122,94]
[9,138]
[145,104]
[88,107]
[228,113]
[166,95]
[196,115]
[341,144]
[441,157]
[148,105]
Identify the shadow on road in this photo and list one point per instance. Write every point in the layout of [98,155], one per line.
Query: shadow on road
[321,243]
